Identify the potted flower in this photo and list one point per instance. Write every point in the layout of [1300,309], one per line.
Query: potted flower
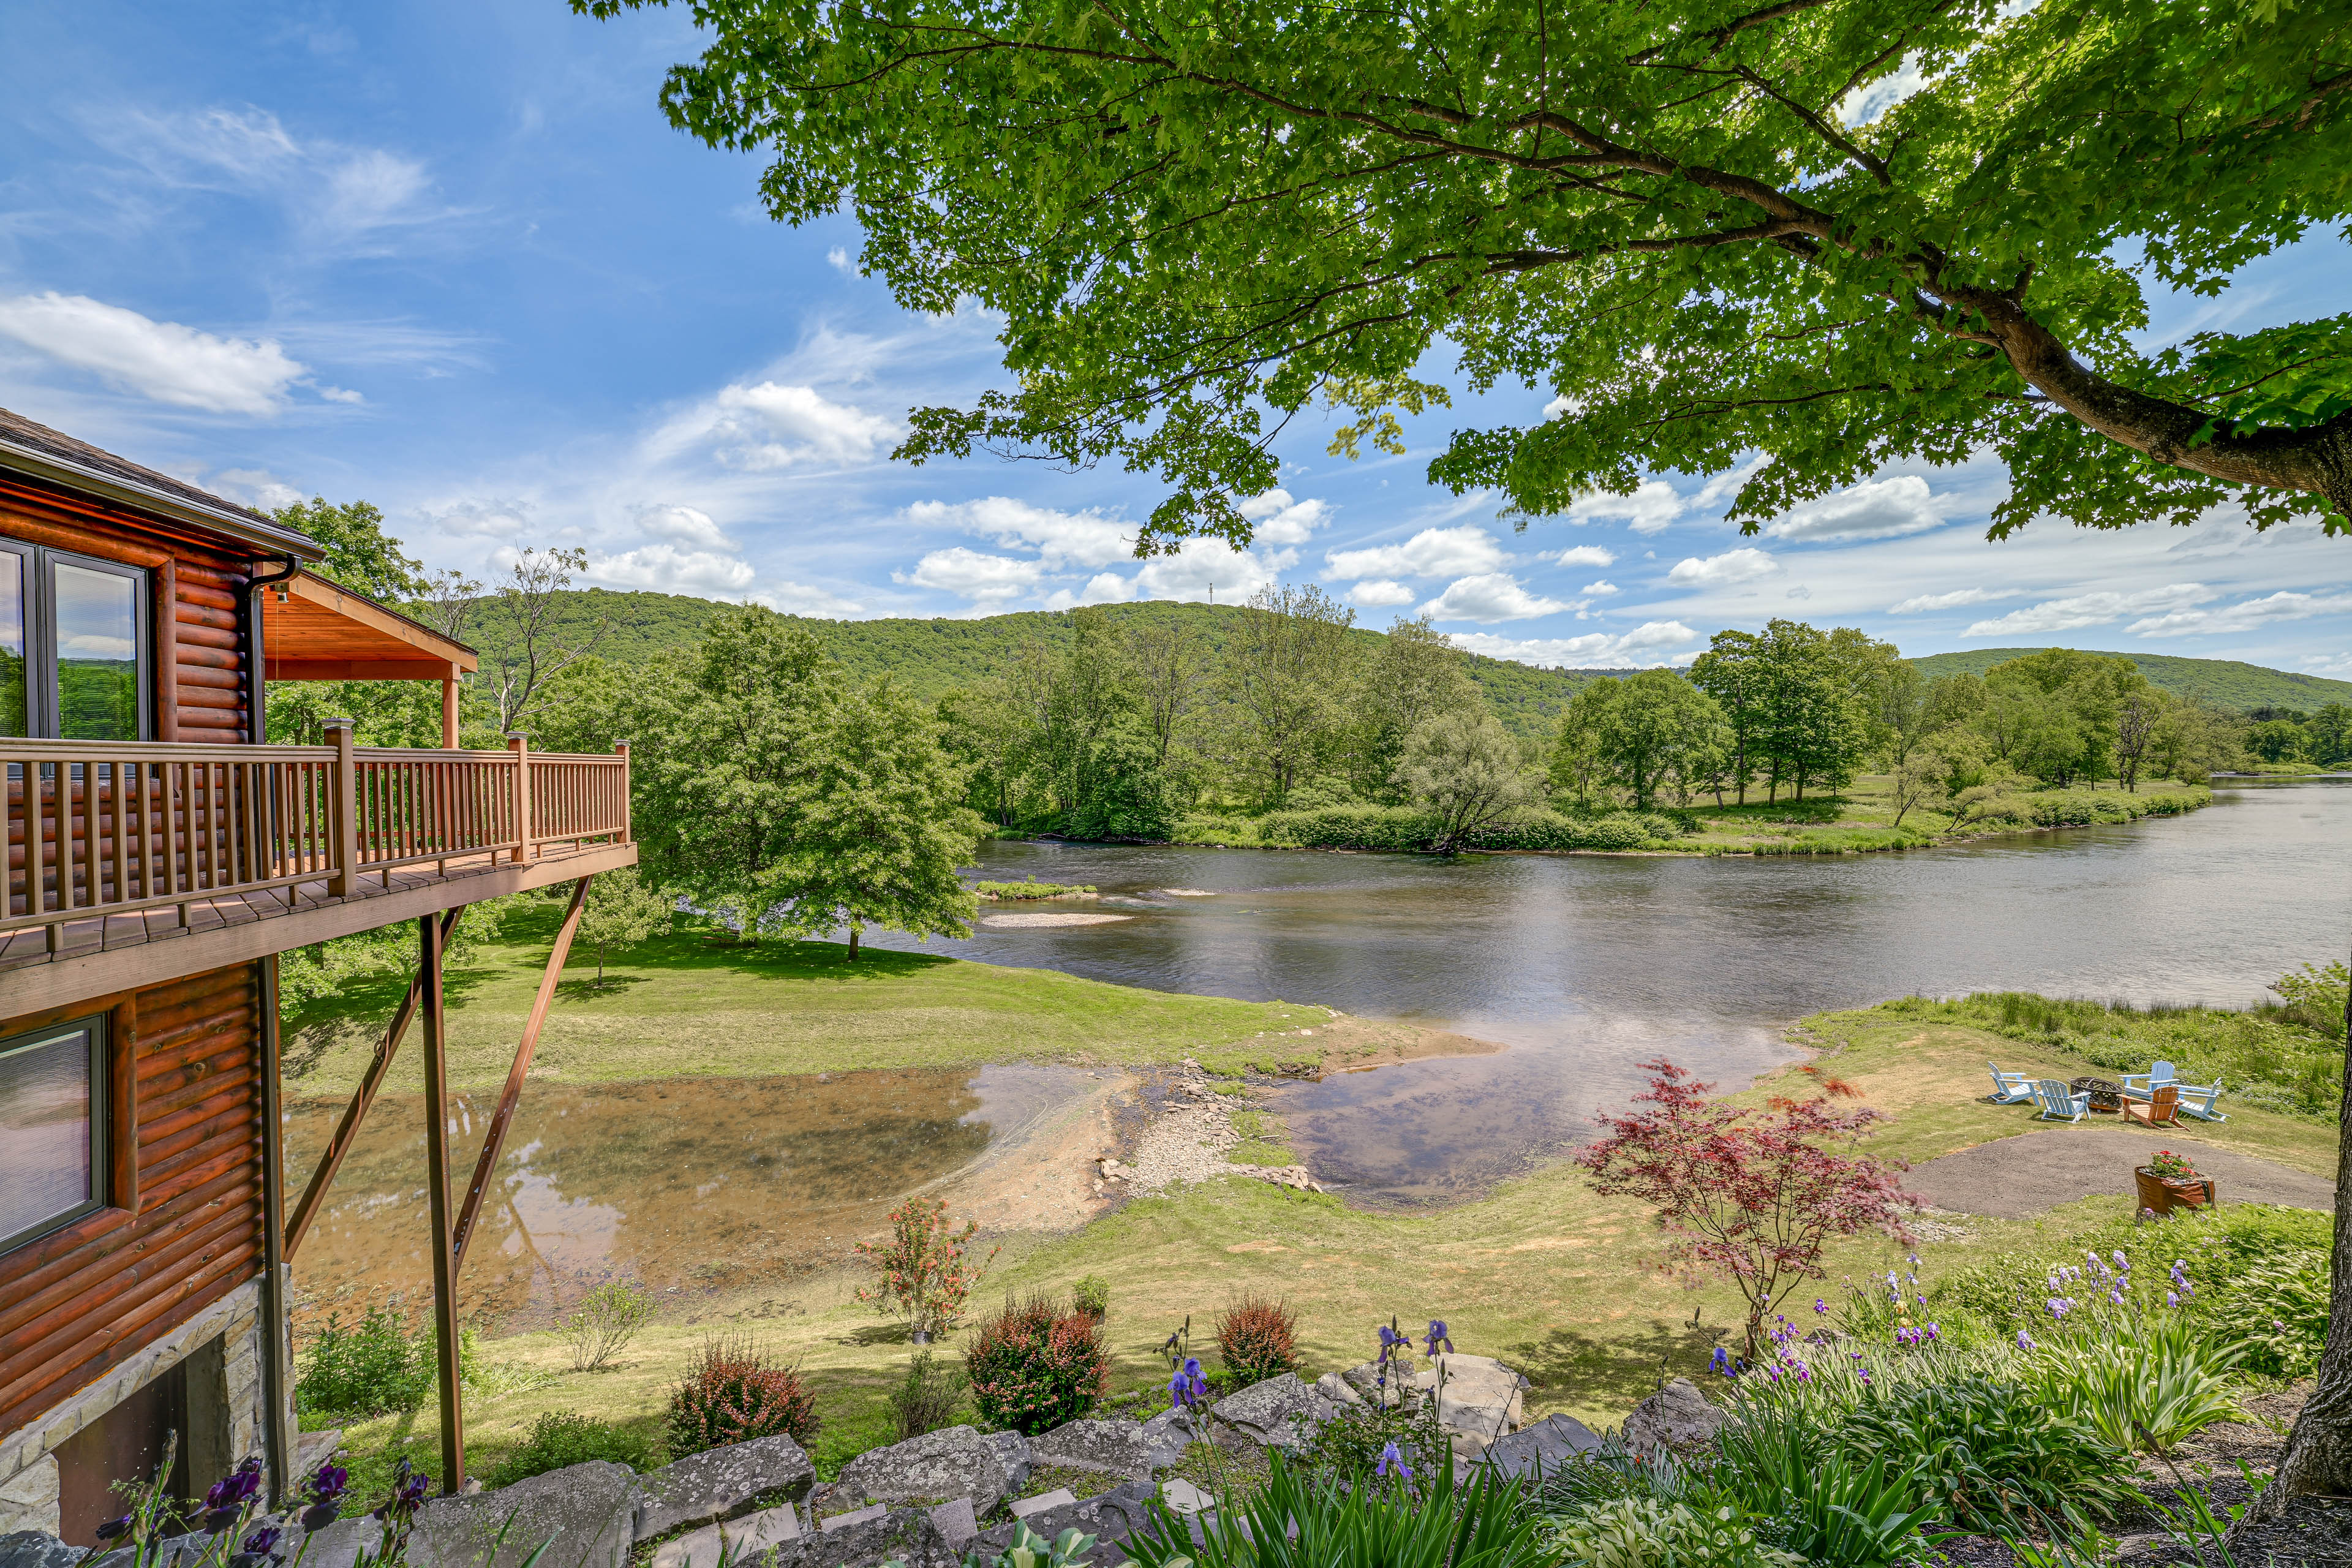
[2169,1181]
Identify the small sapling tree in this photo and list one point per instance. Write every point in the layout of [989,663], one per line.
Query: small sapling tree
[623,913]
[924,1267]
[1753,1194]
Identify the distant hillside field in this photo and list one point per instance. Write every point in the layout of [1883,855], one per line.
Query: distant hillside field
[935,656]
[2222,682]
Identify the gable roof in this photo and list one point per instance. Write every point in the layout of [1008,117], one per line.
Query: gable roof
[58,458]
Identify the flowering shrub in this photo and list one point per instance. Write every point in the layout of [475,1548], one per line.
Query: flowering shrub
[2168,1166]
[924,1272]
[1034,1366]
[733,1394]
[1259,1339]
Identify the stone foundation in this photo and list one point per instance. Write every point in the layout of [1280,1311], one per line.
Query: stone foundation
[227,1407]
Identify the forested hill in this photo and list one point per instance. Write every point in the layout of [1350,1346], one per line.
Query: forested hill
[937,656]
[2221,682]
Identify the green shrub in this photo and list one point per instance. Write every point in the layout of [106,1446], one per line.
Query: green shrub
[604,1321]
[734,1392]
[1981,1448]
[376,1367]
[927,1397]
[559,1437]
[1347,1448]
[2282,1307]
[1034,1366]
[2151,1392]
[1828,1505]
[1293,1521]
[1091,1295]
[1635,1532]
[1259,1339]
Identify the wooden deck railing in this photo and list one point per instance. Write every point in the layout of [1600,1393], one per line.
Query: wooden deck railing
[107,828]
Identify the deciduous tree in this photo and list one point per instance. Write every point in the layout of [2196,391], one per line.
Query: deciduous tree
[622,910]
[1465,770]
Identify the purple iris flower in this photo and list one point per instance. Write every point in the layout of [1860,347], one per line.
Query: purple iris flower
[226,1498]
[1188,1386]
[262,1541]
[114,1528]
[2122,1263]
[1720,1363]
[2025,1340]
[1820,1305]
[326,1489]
[1437,1337]
[1390,1459]
[408,1489]
[2172,1298]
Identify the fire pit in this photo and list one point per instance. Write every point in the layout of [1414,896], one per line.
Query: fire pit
[2107,1094]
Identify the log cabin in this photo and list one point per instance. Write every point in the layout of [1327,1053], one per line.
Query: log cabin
[160,854]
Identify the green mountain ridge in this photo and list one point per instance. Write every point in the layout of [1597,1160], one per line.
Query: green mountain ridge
[937,656]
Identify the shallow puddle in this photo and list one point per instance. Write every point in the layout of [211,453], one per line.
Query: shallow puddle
[691,1186]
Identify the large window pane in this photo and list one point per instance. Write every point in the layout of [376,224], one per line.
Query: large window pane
[12,642]
[45,1105]
[97,654]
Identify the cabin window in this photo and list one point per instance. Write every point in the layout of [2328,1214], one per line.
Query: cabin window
[52,1127]
[73,645]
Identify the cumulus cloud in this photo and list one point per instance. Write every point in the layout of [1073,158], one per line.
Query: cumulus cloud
[1741,565]
[838,259]
[1920,602]
[668,569]
[1277,518]
[1600,590]
[1102,588]
[1205,569]
[1580,555]
[1061,538]
[1877,508]
[1644,645]
[1489,598]
[1431,552]
[487,517]
[768,425]
[2242,616]
[2090,610]
[684,524]
[256,487]
[160,360]
[983,579]
[1380,593]
[1648,509]
[800,599]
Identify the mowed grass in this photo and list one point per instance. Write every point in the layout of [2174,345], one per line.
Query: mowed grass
[691,1003]
[1564,1284]
[1862,818]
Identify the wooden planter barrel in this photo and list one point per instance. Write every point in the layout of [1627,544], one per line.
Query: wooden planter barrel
[2163,1193]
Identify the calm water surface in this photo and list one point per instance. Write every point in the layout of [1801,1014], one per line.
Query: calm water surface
[1586,965]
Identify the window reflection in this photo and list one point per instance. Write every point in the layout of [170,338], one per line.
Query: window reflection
[97,654]
[46,1146]
[12,642]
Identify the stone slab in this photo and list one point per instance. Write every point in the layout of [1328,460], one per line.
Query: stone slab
[856,1516]
[956,1461]
[36,1549]
[1185,1497]
[1677,1418]
[750,1534]
[1540,1449]
[1113,1448]
[1275,1412]
[901,1535]
[586,1513]
[955,1522]
[1013,1449]
[1024,1508]
[721,1483]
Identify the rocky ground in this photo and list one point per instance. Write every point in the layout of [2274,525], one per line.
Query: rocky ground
[1179,1131]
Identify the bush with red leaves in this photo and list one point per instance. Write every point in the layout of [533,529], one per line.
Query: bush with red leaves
[1259,1339]
[1036,1366]
[734,1392]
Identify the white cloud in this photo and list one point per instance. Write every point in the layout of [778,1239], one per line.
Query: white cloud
[160,360]
[685,524]
[490,518]
[1580,555]
[1489,598]
[1205,569]
[773,426]
[2090,610]
[1868,102]
[369,190]
[1431,552]
[800,599]
[983,579]
[668,569]
[1061,538]
[1380,593]
[1741,565]
[2327,664]
[256,488]
[1600,590]
[1919,603]
[1648,509]
[1877,508]
[838,259]
[1644,645]
[1102,588]
[1801,591]
[341,394]
[1277,518]
[2242,616]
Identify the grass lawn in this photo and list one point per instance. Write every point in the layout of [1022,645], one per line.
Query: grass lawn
[1563,1284]
[1862,818]
[691,1004]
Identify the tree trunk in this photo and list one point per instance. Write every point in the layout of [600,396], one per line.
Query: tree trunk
[2318,1458]
[853,942]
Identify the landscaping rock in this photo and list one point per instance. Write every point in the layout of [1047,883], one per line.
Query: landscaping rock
[1293,1176]
[748,1536]
[586,1513]
[903,1535]
[171,1549]
[721,1483]
[1275,1413]
[1677,1418]
[958,1461]
[1110,1517]
[1171,1427]
[1183,1497]
[1336,1388]
[1044,1503]
[1112,1448]
[855,1517]
[1478,1401]
[1540,1449]
[1014,1450]
[955,1522]
[36,1549]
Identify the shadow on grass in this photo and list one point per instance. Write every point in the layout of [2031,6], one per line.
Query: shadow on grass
[1815,809]
[880,1334]
[1619,1373]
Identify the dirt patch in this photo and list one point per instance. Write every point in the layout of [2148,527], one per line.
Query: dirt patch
[1349,1043]
[2017,1178]
[1032,923]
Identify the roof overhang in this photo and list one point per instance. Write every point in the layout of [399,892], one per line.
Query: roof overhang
[267,537]
[317,629]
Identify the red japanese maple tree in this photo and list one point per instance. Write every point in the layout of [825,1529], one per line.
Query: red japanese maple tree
[1752,1193]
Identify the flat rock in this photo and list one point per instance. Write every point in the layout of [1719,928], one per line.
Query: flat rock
[1044,1503]
[1110,1517]
[1185,1497]
[721,1483]
[902,1536]
[1541,1448]
[38,1549]
[854,1516]
[1273,1411]
[1293,1176]
[749,1535]
[955,1522]
[957,1461]
[1478,1399]
[1678,1418]
[1012,1449]
[1113,1448]
[1336,1388]
[586,1514]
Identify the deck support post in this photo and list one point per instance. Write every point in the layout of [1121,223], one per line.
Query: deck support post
[449,709]
[437,1166]
[487,1166]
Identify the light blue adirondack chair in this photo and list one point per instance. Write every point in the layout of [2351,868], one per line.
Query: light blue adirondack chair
[2200,1100]
[2059,1103]
[2140,1085]
[2010,1088]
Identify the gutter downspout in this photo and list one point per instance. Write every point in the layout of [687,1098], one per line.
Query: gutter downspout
[255,663]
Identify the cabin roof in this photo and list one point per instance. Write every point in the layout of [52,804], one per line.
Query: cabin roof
[315,628]
[58,458]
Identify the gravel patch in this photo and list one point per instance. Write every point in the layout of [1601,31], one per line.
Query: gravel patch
[1031,922]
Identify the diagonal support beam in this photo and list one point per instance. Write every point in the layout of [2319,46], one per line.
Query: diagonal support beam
[314,1196]
[487,1166]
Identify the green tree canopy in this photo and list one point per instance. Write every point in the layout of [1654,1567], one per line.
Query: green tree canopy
[360,553]
[1712,227]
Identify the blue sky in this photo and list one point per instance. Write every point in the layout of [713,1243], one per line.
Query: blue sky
[448,257]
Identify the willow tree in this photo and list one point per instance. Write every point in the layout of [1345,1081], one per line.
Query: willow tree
[1831,232]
